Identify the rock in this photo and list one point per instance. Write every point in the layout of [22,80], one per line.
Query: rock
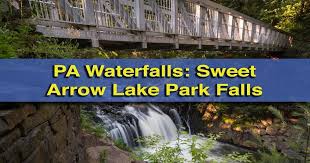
[283,130]
[293,120]
[93,154]
[9,139]
[293,154]
[225,126]
[271,130]
[260,126]
[276,120]
[264,123]
[207,116]
[57,116]
[110,154]
[41,116]
[211,108]
[14,116]
[262,132]
[256,131]
[32,140]
[269,121]
[40,154]
[89,140]
[282,146]
[3,127]
[60,125]
[11,154]
[238,129]
[250,144]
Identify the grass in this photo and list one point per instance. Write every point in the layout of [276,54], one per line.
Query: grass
[103,156]
[90,126]
[121,145]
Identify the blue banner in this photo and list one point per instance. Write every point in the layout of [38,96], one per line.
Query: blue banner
[154,80]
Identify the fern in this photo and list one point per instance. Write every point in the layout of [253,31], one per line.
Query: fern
[277,113]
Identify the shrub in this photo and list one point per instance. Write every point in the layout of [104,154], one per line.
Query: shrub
[88,125]
[121,145]
[103,156]
[272,156]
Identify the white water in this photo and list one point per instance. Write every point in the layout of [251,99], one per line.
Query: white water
[147,120]
[154,122]
[144,120]
[216,154]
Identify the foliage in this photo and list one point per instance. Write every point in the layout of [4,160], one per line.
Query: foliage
[88,125]
[277,113]
[292,16]
[199,152]
[22,42]
[166,153]
[103,156]
[163,152]
[19,40]
[304,125]
[272,156]
[237,157]
[121,145]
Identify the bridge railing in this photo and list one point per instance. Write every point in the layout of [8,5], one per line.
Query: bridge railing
[202,19]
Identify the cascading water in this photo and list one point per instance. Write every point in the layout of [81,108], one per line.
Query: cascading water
[135,121]
[139,121]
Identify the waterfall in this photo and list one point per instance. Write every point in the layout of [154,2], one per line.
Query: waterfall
[134,121]
[140,120]
[176,118]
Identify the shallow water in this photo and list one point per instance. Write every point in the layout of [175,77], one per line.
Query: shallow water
[217,153]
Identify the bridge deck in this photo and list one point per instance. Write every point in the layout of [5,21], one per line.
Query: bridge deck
[193,22]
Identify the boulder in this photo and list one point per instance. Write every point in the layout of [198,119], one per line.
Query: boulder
[110,154]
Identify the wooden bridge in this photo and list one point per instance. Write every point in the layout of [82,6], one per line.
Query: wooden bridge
[175,22]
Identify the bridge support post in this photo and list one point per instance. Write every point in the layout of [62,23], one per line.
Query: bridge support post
[139,8]
[230,46]
[200,43]
[95,43]
[176,42]
[144,41]
[217,46]
[144,45]
[177,46]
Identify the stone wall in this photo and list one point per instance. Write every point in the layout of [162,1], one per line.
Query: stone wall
[35,133]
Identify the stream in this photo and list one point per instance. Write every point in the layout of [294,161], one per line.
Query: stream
[136,121]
